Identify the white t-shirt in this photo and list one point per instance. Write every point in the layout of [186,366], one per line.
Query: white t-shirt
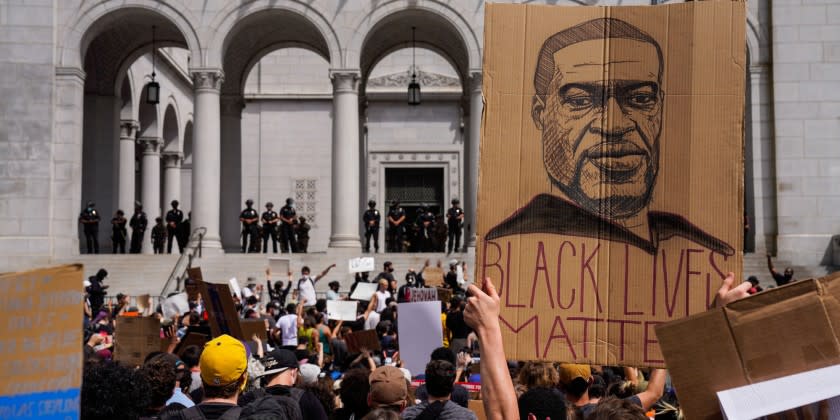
[287,324]
[306,290]
[372,321]
[381,297]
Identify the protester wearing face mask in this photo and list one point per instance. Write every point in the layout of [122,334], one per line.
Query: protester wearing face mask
[403,294]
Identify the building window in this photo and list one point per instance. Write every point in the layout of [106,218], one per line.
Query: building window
[305,201]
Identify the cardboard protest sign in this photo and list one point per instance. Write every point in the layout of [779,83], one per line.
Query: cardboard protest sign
[444,294]
[143,302]
[364,291]
[193,282]
[342,310]
[433,276]
[41,342]
[135,338]
[361,265]
[191,339]
[610,191]
[778,332]
[234,287]
[221,310]
[423,320]
[422,294]
[367,339]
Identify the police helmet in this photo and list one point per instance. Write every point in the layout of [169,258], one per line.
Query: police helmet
[456,201]
[249,202]
[174,203]
[290,201]
[395,202]
[269,204]
[372,203]
[91,204]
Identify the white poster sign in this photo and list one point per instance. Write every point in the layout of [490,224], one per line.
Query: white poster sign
[175,305]
[342,310]
[361,265]
[364,291]
[423,320]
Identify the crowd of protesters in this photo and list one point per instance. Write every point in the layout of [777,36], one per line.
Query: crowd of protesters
[305,369]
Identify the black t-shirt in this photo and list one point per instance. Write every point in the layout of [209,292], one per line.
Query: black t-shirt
[310,407]
[451,280]
[781,279]
[457,326]
[213,411]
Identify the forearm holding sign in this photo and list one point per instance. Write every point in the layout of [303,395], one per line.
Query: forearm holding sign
[482,315]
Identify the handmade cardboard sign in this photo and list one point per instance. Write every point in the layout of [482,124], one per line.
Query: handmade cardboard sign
[135,338]
[433,276]
[611,172]
[359,340]
[364,291]
[40,342]
[175,305]
[221,310]
[778,332]
[423,320]
[361,265]
[193,282]
[278,266]
[342,310]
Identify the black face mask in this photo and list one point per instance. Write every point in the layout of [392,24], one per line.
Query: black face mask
[390,270]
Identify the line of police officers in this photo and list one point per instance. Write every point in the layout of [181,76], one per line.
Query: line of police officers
[293,232]
[176,229]
[422,236]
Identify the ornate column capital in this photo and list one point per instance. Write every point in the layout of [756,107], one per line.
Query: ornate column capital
[128,129]
[475,81]
[207,78]
[150,145]
[345,80]
[172,159]
[232,105]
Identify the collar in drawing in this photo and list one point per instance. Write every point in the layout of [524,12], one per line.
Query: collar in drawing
[546,213]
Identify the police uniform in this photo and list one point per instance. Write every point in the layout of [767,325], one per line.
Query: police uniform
[182,235]
[287,228]
[119,233]
[372,219]
[174,218]
[138,224]
[302,229]
[269,219]
[426,223]
[249,229]
[455,224]
[395,232]
[89,218]
[158,236]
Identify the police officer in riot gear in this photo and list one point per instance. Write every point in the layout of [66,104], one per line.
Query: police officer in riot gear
[138,224]
[269,219]
[455,223]
[174,218]
[249,218]
[118,232]
[89,218]
[372,219]
[426,230]
[288,216]
[396,220]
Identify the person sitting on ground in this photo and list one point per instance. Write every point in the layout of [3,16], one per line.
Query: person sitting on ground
[781,279]
[387,389]
[440,378]
[224,373]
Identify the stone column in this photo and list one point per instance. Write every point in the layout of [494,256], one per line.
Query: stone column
[345,160]
[206,176]
[66,163]
[171,178]
[231,171]
[150,194]
[126,194]
[764,180]
[471,202]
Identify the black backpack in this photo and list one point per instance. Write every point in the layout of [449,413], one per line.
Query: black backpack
[432,411]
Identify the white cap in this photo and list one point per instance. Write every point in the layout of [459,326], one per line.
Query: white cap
[406,373]
[86,283]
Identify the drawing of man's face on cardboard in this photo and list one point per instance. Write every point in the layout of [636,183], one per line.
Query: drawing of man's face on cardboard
[601,116]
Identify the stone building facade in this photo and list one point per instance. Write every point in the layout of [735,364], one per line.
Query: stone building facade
[269,99]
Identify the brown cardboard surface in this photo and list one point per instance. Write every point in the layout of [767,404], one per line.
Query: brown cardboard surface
[221,310]
[253,326]
[477,407]
[191,339]
[610,187]
[362,339]
[41,330]
[778,332]
[135,338]
[433,276]
[444,294]
[193,282]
